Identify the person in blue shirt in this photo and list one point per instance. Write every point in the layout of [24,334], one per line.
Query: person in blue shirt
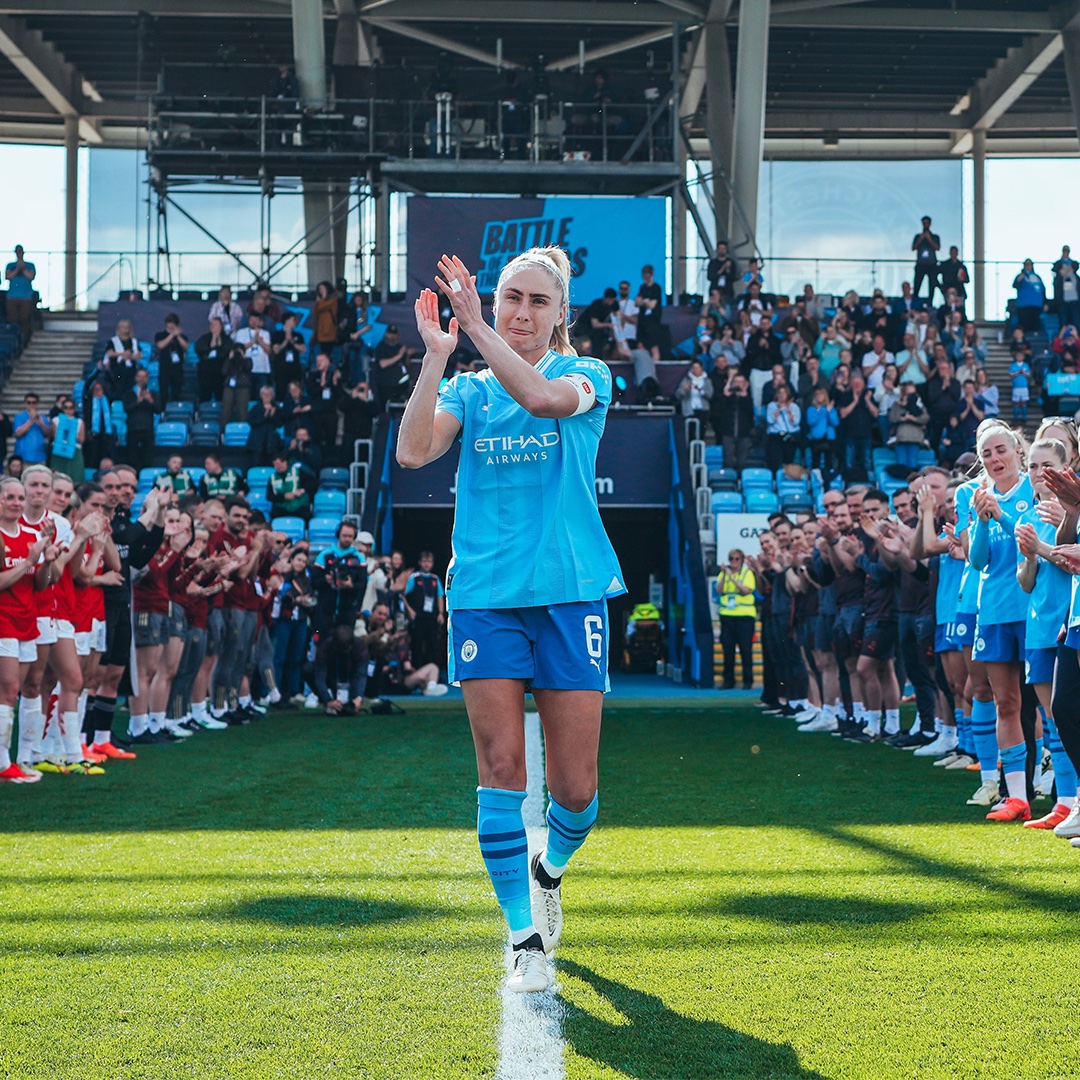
[21,298]
[531,571]
[32,430]
[1002,615]
[1049,590]
[1020,374]
[1030,297]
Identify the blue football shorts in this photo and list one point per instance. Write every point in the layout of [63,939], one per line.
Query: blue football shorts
[1000,643]
[1039,665]
[557,647]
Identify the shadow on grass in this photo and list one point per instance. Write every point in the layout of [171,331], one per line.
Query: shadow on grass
[793,909]
[291,910]
[1001,879]
[657,1042]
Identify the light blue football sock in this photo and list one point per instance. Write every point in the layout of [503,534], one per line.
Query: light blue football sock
[567,831]
[505,850]
[963,732]
[1013,762]
[984,736]
[1064,770]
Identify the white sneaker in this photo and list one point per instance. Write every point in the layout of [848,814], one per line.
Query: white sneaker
[1046,783]
[546,908]
[274,696]
[530,974]
[947,760]
[435,689]
[208,723]
[988,794]
[311,701]
[1070,827]
[945,743]
[806,714]
[174,727]
[821,722]
[297,699]
[961,761]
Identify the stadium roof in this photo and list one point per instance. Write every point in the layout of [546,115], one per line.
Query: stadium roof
[874,78]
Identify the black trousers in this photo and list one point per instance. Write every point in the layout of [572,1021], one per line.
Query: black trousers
[1065,702]
[929,273]
[737,632]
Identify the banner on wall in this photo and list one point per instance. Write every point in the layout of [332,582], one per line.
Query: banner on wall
[608,239]
[633,468]
[739,531]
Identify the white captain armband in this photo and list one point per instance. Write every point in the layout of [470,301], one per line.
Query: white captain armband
[586,391]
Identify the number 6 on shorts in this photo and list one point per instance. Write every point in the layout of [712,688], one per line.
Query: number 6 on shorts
[594,636]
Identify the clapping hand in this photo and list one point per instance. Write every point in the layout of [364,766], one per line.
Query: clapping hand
[1067,556]
[1027,540]
[438,342]
[986,506]
[1050,511]
[460,288]
[1065,484]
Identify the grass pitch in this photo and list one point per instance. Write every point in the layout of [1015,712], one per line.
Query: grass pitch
[304,898]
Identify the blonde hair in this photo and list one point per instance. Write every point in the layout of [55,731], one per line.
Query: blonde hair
[995,426]
[556,264]
[1055,446]
[1071,443]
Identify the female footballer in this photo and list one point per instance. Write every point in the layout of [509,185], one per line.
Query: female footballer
[531,571]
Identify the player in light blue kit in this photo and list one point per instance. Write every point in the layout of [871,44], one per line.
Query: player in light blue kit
[1003,605]
[1049,589]
[531,571]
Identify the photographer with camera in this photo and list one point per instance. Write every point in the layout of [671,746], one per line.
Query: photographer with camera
[390,666]
[340,578]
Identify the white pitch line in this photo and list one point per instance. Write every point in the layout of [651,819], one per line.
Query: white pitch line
[531,1042]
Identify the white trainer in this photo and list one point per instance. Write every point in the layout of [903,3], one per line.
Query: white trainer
[174,727]
[945,743]
[1070,827]
[947,760]
[435,689]
[546,908]
[821,722]
[1045,784]
[988,794]
[530,974]
[962,761]
[208,723]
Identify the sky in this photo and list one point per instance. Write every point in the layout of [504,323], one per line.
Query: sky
[807,211]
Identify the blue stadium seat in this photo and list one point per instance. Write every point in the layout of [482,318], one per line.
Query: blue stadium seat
[757,479]
[210,410]
[334,479]
[293,527]
[258,475]
[714,455]
[180,410]
[205,433]
[925,457]
[196,473]
[329,502]
[881,456]
[761,502]
[171,433]
[148,476]
[259,502]
[726,502]
[322,531]
[796,504]
[236,433]
[723,479]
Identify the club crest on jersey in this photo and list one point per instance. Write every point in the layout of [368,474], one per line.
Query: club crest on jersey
[1021,506]
[980,644]
[961,630]
[468,650]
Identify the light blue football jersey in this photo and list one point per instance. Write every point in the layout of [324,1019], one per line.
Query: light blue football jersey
[1048,602]
[527,530]
[967,599]
[950,571]
[1001,600]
